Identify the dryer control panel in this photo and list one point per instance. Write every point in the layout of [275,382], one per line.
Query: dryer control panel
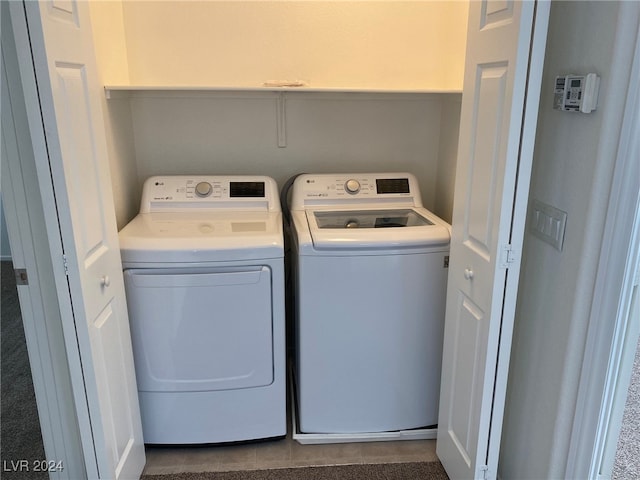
[332,189]
[177,192]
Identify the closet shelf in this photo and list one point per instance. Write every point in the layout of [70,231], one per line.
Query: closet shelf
[120,91]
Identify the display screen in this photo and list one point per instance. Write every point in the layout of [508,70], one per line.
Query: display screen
[246,189]
[392,185]
[575,83]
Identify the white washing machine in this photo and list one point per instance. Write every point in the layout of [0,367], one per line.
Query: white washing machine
[371,270]
[204,277]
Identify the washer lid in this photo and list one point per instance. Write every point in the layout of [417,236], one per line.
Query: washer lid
[376,228]
[370,219]
[202,237]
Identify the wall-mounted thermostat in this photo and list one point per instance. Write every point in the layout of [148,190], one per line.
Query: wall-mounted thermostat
[576,93]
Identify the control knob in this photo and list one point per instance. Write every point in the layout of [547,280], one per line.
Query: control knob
[203,189]
[352,186]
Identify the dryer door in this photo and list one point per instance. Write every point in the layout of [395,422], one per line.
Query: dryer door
[201,329]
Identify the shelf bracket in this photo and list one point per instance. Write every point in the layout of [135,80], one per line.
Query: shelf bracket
[281,120]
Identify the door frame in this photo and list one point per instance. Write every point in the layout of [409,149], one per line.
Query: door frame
[38,304]
[55,284]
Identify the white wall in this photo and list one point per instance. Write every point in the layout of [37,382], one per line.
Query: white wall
[107,24]
[222,133]
[447,157]
[417,44]
[350,44]
[573,164]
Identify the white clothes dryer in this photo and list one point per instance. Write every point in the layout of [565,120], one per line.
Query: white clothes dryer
[370,267]
[204,278]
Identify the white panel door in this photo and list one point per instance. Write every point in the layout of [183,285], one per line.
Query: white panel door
[68,90]
[499,108]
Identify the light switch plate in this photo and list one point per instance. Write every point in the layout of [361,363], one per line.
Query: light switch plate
[548,223]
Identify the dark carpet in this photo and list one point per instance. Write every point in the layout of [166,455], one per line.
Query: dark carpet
[384,471]
[21,441]
[627,462]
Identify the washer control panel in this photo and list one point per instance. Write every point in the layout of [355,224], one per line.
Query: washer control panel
[170,192]
[309,188]
[364,186]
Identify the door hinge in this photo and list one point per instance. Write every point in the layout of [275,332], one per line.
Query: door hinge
[21,276]
[485,472]
[66,265]
[508,256]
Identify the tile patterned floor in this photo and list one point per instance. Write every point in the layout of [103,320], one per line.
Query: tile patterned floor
[283,454]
